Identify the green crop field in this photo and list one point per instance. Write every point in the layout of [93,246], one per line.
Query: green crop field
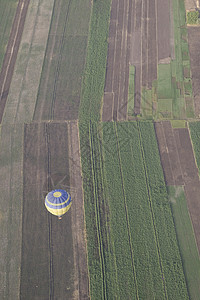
[127,207]
[126,201]
[7,12]
[195,135]
[186,240]
[135,235]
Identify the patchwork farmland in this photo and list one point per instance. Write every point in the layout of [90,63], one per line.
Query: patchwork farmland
[99,98]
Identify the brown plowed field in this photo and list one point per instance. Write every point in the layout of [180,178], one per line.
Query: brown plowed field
[179,167]
[53,251]
[116,81]
[11,53]
[139,35]
[194,45]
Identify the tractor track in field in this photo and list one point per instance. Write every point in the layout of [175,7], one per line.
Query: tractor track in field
[11,53]
[49,218]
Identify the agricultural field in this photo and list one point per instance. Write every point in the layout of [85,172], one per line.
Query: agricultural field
[28,66]
[60,85]
[127,208]
[45,240]
[195,136]
[93,163]
[74,69]
[193,33]
[36,157]
[12,22]
[7,13]
[152,38]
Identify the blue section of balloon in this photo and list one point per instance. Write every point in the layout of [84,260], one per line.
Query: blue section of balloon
[58,202]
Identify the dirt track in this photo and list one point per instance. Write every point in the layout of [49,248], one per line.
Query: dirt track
[11,53]
[53,251]
[179,167]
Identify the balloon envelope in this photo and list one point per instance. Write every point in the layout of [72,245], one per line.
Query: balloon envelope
[58,202]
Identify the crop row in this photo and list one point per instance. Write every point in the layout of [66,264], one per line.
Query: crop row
[141,223]
[169,251]
[135,185]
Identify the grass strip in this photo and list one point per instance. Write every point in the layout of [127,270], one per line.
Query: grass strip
[131,89]
[164,81]
[178,123]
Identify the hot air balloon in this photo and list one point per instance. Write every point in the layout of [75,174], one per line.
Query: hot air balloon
[58,202]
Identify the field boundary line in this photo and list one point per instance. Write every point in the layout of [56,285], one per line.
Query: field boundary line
[126,211]
[152,211]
